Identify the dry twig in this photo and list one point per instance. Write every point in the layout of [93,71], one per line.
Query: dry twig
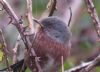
[5,50]
[30,20]
[18,23]
[86,66]
[94,16]
[62,63]
[52,7]
[15,50]
[30,16]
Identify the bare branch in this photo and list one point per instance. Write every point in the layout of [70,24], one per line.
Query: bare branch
[5,50]
[93,64]
[70,16]
[30,20]
[94,16]
[9,10]
[86,66]
[30,16]
[19,25]
[63,10]
[15,50]
[52,7]
[62,63]
[79,67]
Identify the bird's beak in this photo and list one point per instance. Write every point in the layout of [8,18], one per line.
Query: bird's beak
[38,22]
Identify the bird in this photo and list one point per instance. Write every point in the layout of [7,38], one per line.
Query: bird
[52,42]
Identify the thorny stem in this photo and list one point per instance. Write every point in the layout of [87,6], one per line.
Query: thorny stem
[5,50]
[30,16]
[94,16]
[18,23]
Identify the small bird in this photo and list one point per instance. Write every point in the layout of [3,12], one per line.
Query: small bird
[52,42]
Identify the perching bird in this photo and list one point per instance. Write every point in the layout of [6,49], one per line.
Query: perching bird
[52,42]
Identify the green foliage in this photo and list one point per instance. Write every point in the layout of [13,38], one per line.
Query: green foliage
[96,4]
[86,45]
[27,70]
[1,46]
[39,6]
[1,52]
[98,69]
[1,55]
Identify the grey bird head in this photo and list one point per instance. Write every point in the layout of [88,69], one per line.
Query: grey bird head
[56,28]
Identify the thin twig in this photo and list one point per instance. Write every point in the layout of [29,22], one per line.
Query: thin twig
[32,52]
[11,13]
[94,16]
[15,50]
[29,15]
[86,66]
[62,63]
[52,7]
[93,64]
[70,16]
[64,13]
[30,20]
[9,10]
[5,50]
[79,67]
[18,23]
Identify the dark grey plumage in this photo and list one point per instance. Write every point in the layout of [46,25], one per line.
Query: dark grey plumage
[56,28]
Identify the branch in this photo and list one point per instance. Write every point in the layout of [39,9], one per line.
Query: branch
[62,64]
[30,16]
[5,50]
[19,24]
[63,10]
[94,16]
[85,67]
[51,6]
[70,16]
[30,20]
[93,64]
[9,10]
[15,50]
[13,16]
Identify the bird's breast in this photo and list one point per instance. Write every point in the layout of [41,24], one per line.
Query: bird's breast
[44,44]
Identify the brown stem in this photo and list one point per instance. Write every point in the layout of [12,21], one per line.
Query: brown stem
[15,51]
[18,24]
[5,50]
[52,7]
[94,16]
[29,15]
